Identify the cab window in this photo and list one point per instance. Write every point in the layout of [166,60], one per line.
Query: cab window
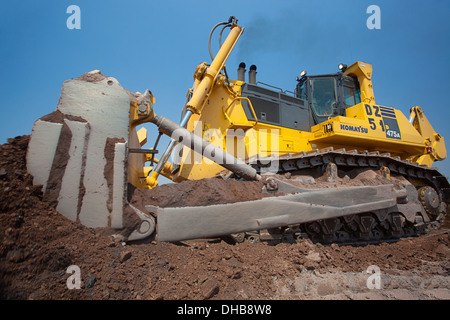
[323,93]
[351,95]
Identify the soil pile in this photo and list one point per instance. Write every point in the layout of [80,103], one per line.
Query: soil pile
[197,193]
[39,247]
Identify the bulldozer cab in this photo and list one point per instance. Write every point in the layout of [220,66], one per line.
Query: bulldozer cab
[328,95]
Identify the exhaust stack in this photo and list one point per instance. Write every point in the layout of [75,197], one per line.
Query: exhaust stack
[241,72]
[252,74]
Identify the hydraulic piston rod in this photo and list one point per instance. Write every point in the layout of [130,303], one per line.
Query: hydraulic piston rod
[152,180]
[204,80]
[212,152]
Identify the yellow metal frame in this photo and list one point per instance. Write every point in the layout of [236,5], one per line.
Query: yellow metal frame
[366,126]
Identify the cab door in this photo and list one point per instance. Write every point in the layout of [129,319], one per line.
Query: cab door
[323,98]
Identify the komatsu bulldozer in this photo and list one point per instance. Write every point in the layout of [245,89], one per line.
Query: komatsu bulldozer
[89,155]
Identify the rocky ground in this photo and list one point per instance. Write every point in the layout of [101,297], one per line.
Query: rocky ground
[39,248]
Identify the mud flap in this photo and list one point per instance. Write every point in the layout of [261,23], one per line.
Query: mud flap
[176,224]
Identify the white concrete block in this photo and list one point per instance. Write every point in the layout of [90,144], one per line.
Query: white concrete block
[41,150]
[105,106]
[97,113]
[119,184]
[70,186]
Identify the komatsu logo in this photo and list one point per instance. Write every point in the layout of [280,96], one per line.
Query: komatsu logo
[360,129]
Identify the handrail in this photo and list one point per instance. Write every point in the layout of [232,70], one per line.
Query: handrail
[250,105]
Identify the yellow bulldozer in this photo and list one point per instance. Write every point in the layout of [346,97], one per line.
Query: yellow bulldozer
[89,154]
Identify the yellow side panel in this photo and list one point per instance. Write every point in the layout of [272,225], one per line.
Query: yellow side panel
[371,127]
[223,123]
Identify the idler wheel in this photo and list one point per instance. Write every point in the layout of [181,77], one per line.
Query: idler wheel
[430,200]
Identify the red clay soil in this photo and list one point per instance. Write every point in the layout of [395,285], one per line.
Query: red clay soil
[38,245]
[197,193]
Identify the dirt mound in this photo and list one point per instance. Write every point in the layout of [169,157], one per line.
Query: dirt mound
[197,193]
[38,245]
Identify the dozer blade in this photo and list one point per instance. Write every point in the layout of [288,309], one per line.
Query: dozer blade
[87,153]
[79,154]
[176,224]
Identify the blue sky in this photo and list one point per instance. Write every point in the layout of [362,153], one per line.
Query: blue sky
[158,44]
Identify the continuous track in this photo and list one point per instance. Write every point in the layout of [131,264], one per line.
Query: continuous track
[433,194]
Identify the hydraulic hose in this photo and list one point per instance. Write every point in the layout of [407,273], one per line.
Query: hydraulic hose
[225,25]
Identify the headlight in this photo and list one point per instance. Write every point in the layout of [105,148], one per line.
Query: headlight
[342,67]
